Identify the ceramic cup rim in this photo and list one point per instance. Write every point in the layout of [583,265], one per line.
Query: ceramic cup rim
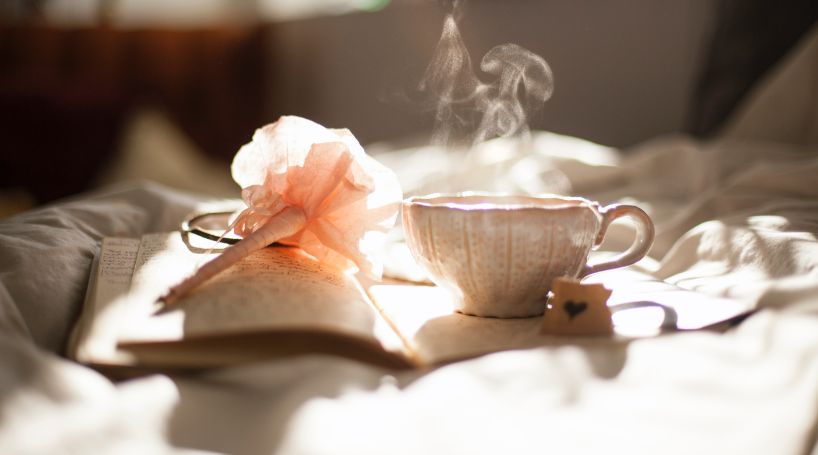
[470,201]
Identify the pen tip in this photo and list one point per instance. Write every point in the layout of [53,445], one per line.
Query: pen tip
[164,303]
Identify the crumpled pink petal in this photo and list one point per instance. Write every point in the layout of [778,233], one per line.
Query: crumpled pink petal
[350,200]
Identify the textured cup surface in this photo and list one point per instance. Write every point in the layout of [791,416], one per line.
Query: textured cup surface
[498,254]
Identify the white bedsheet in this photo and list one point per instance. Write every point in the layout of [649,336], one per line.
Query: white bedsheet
[736,217]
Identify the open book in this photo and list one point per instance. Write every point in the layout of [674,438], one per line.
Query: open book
[281,302]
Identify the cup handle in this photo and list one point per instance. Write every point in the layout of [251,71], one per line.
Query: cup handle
[638,249]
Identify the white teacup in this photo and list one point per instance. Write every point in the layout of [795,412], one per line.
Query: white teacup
[498,254]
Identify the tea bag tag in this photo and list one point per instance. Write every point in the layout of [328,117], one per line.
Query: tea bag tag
[577,309]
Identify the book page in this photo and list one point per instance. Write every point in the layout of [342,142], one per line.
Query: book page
[273,289]
[640,303]
[425,317]
[95,334]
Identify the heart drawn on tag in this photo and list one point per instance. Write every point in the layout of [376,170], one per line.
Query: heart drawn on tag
[573,309]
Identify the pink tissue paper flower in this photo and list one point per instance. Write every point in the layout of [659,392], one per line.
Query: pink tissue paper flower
[311,187]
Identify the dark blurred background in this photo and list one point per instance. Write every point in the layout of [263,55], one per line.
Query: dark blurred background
[90,87]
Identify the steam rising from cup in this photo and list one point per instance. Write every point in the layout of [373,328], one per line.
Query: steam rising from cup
[469,110]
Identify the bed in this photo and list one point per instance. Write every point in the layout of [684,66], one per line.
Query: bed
[736,216]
